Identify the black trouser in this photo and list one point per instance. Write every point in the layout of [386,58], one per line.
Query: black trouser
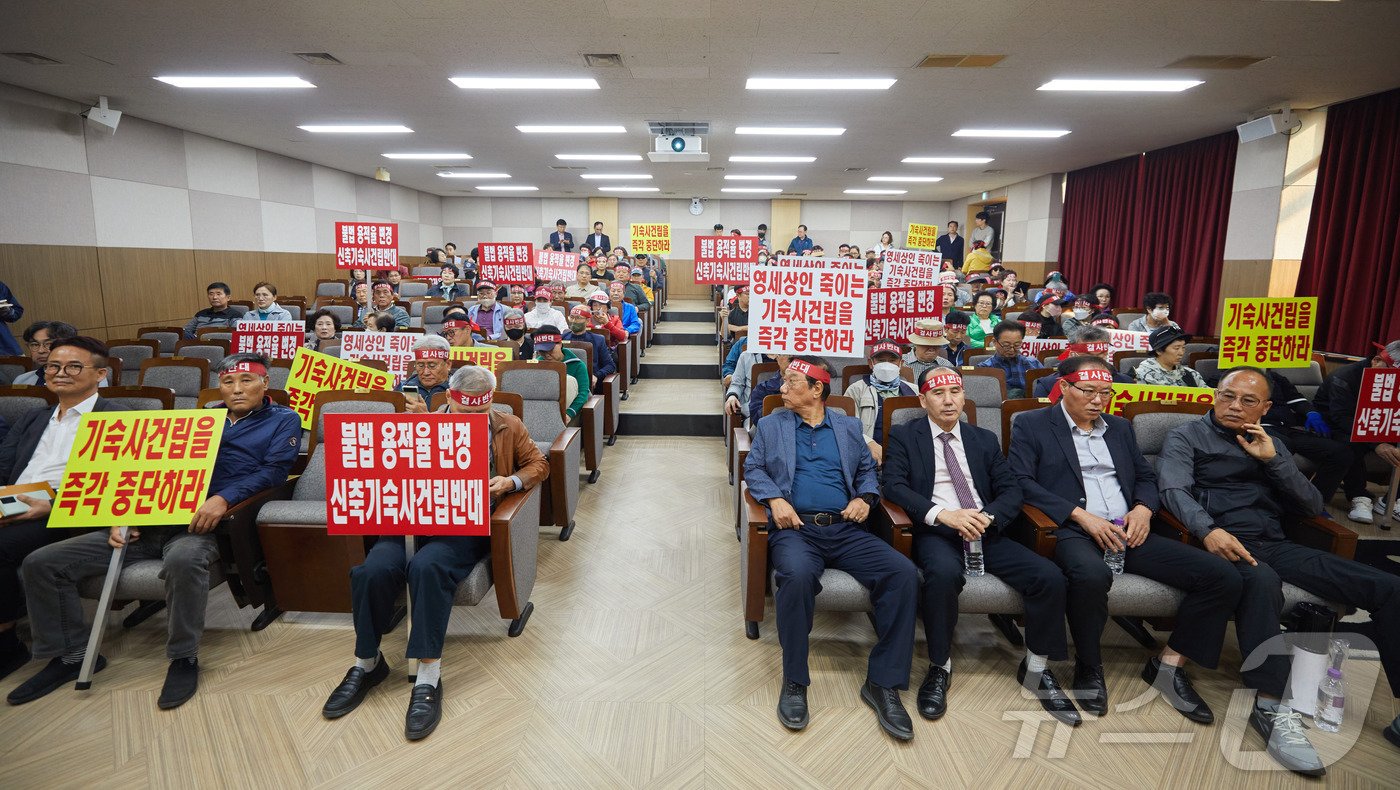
[439,565]
[1212,590]
[16,542]
[1325,575]
[1335,460]
[1040,583]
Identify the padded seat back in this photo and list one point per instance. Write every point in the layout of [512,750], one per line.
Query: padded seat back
[331,288]
[540,387]
[343,313]
[182,375]
[1152,428]
[131,355]
[15,403]
[165,338]
[409,289]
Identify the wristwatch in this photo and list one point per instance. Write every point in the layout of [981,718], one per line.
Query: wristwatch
[871,499]
[991,518]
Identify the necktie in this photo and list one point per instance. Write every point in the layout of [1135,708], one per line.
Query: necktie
[955,473]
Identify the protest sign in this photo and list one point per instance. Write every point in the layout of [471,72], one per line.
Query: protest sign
[138,468]
[891,312]
[1121,340]
[724,260]
[922,237]
[407,474]
[1033,347]
[551,265]
[1123,394]
[809,262]
[1378,406]
[314,372]
[651,238]
[272,339]
[366,245]
[394,349]
[489,357]
[807,310]
[1270,332]
[505,262]
[910,269]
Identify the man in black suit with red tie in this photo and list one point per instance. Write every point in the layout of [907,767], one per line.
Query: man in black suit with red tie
[955,485]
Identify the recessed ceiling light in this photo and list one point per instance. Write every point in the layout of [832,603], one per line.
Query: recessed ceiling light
[236,82]
[1121,86]
[527,83]
[907,179]
[599,157]
[1011,133]
[355,128]
[774,160]
[470,174]
[507,188]
[946,160]
[816,84]
[629,189]
[736,177]
[876,191]
[616,176]
[793,131]
[572,129]
[758,190]
[441,157]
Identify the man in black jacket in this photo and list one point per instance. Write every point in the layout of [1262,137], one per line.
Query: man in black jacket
[1335,404]
[955,485]
[950,246]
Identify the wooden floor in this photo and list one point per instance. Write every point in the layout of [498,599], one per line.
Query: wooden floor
[633,672]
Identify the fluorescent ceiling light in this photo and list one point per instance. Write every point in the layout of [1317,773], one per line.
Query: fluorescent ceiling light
[572,129]
[507,188]
[527,83]
[440,157]
[1011,133]
[617,176]
[792,131]
[818,84]
[757,190]
[470,174]
[759,178]
[907,179]
[1120,86]
[236,82]
[876,191]
[774,160]
[629,189]
[599,157]
[356,128]
[946,160]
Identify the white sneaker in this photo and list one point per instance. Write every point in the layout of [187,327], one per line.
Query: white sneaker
[1361,510]
[1380,508]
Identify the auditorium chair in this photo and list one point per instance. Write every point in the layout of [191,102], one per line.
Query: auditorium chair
[214,333]
[138,397]
[425,271]
[1307,379]
[212,350]
[1032,376]
[972,360]
[278,371]
[743,442]
[296,311]
[590,417]
[185,376]
[541,386]
[409,289]
[11,367]
[623,353]
[986,387]
[165,336]
[17,401]
[1127,361]
[1127,315]
[331,288]
[132,353]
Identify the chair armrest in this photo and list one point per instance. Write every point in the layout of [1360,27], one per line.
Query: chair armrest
[565,438]
[240,549]
[1323,534]
[1041,533]
[247,510]
[1174,528]
[901,528]
[755,557]
[515,538]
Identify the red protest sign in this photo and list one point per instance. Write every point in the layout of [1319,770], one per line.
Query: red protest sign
[551,265]
[910,268]
[506,262]
[272,339]
[1378,406]
[366,245]
[807,311]
[891,312]
[407,474]
[724,260]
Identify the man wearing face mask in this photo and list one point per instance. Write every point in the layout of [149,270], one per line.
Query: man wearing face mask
[1051,306]
[604,323]
[514,335]
[870,391]
[625,310]
[544,313]
[928,339]
[1078,317]
[486,313]
[1159,310]
[603,363]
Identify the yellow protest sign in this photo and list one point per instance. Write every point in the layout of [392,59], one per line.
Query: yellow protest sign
[652,238]
[922,237]
[1123,394]
[138,468]
[1269,332]
[489,357]
[314,372]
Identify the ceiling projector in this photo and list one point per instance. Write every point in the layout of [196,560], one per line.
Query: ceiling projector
[678,148]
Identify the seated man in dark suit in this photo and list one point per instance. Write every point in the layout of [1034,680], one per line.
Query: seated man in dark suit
[1224,477]
[956,487]
[809,465]
[1084,341]
[1082,467]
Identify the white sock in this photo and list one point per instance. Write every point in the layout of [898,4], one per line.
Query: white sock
[367,664]
[428,673]
[948,665]
[1034,663]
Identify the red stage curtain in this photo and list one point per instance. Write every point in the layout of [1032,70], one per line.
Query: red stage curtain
[1351,258]
[1154,222]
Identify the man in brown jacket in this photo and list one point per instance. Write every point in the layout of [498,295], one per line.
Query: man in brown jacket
[438,566]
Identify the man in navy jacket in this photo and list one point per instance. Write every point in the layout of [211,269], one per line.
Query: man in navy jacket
[603,363]
[1084,470]
[810,467]
[952,481]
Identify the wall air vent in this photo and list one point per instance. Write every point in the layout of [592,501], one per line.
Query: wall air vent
[1216,62]
[319,58]
[959,61]
[32,58]
[597,61]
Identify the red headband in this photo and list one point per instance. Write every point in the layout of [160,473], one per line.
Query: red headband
[880,348]
[430,353]
[810,371]
[1384,355]
[461,323]
[547,338]
[1083,374]
[925,331]
[463,399]
[256,368]
[1084,348]
[580,310]
[942,378]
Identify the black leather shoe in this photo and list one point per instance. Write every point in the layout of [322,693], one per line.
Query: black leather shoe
[181,682]
[933,693]
[792,705]
[54,674]
[13,658]
[1090,691]
[1177,690]
[424,711]
[890,712]
[1053,698]
[351,691]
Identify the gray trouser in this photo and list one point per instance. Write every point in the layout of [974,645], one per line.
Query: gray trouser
[52,574]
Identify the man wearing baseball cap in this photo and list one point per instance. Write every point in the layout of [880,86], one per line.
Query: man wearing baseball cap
[603,322]
[1051,305]
[487,313]
[870,390]
[547,345]
[955,326]
[929,339]
[633,288]
[384,302]
[603,363]
[544,312]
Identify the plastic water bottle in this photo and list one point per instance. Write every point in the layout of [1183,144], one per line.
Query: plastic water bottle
[972,558]
[1331,699]
[1115,557]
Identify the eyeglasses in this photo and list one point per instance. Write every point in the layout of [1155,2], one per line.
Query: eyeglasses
[71,369]
[1094,395]
[1227,397]
[37,345]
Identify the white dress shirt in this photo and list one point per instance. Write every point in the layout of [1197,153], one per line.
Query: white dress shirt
[944,496]
[1102,495]
[51,454]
